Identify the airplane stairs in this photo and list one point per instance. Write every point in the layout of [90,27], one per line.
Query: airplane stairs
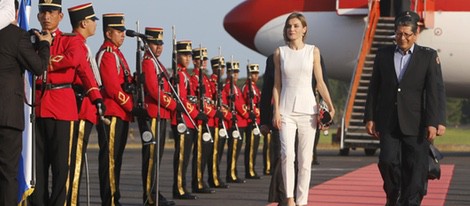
[354,134]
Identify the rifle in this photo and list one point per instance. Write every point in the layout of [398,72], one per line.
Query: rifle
[235,132]
[139,101]
[251,95]
[206,136]
[218,98]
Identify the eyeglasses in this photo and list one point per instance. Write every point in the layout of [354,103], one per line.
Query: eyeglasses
[406,35]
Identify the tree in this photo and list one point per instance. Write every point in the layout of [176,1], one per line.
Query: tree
[454,111]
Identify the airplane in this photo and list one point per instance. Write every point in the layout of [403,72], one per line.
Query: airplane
[337,28]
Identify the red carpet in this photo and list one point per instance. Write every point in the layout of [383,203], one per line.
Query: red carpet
[363,187]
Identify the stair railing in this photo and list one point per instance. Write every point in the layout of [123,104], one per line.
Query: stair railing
[373,18]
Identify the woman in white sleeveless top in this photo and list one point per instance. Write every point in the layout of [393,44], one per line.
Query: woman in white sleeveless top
[295,108]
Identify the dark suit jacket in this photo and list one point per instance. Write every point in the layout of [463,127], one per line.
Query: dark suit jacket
[17,53]
[266,109]
[411,103]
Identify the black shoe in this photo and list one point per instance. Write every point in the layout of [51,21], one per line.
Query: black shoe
[256,177]
[267,173]
[185,196]
[204,190]
[166,203]
[238,180]
[162,201]
[222,186]
[391,202]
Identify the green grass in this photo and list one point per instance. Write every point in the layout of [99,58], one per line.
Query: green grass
[455,139]
[454,136]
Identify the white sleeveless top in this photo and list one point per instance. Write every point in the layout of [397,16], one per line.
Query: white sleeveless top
[296,76]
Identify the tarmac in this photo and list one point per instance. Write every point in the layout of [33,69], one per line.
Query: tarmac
[253,192]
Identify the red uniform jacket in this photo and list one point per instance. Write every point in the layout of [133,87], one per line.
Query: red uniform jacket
[114,71]
[240,106]
[152,88]
[209,108]
[66,56]
[87,110]
[184,88]
[256,99]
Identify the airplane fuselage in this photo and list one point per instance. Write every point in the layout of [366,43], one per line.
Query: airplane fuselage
[339,37]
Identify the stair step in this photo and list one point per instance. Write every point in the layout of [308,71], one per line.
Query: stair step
[356,120]
[384,25]
[363,128]
[358,135]
[387,19]
[358,108]
[384,37]
[363,88]
[384,31]
[381,43]
[364,81]
[357,115]
[366,75]
[361,95]
[363,138]
[368,68]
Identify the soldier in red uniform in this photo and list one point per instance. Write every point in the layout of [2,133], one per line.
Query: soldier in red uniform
[204,140]
[159,105]
[57,110]
[238,122]
[220,125]
[117,94]
[181,124]
[252,130]
[82,18]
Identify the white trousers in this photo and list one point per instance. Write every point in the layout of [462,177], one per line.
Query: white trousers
[306,126]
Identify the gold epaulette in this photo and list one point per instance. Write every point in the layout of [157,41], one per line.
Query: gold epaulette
[108,49]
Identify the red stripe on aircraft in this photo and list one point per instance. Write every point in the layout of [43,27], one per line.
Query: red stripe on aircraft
[353,4]
[452,5]
[244,21]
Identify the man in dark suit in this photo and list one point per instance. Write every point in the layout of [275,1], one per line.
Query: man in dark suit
[16,53]
[277,192]
[402,110]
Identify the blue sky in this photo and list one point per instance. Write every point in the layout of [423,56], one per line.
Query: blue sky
[200,21]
